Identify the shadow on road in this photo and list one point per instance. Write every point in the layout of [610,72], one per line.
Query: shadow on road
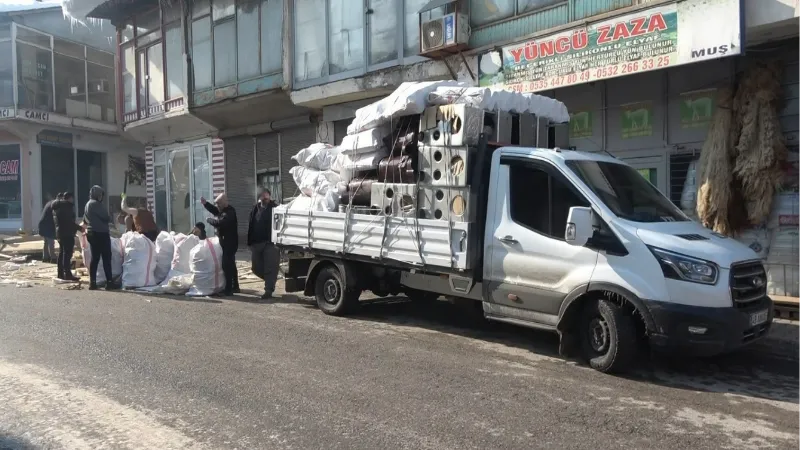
[8,442]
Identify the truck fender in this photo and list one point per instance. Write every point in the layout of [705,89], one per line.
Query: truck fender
[571,305]
[317,264]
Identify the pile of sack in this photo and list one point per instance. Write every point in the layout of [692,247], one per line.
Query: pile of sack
[175,263]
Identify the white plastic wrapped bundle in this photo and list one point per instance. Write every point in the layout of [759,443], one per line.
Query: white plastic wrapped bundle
[311,181]
[182,258]
[317,156]
[165,249]
[348,165]
[117,257]
[367,141]
[492,99]
[689,192]
[138,269]
[757,239]
[206,268]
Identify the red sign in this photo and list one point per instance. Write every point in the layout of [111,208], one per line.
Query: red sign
[9,167]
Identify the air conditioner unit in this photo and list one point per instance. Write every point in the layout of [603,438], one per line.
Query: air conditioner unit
[99,87]
[76,89]
[445,35]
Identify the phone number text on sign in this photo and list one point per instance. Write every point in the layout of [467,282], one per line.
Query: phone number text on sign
[595,74]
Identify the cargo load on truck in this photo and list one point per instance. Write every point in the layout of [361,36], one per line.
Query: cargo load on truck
[399,186]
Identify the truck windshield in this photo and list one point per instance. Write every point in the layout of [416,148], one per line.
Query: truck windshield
[626,192]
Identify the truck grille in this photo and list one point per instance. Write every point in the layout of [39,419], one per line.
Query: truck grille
[748,283]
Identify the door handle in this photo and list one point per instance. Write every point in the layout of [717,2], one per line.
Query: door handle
[508,240]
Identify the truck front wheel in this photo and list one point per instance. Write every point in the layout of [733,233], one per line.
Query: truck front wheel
[608,336]
[333,295]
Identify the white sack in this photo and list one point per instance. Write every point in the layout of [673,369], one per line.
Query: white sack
[165,250]
[206,267]
[311,181]
[138,269]
[182,258]
[348,165]
[492,99]
[317,156]
[366,141]
[117,257]
[321,202]
[408,99]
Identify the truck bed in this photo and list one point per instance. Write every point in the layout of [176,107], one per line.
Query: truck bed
[433,244]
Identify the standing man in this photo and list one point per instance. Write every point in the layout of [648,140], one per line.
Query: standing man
[265,257]
[63,216]
[47,230]
[226,224]
[97,220]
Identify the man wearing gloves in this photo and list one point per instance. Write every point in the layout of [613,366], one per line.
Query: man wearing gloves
[265,256]
[97,219]
[226,224]
[65,228]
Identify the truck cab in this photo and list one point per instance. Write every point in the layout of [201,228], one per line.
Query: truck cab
[582,243]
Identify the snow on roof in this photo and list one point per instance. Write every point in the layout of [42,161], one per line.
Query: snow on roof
[10,6]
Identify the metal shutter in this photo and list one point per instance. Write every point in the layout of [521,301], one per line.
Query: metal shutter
[268,156]
[340,130]
[240,180]
[292,141]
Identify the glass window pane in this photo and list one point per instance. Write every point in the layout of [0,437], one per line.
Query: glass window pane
[35,85]
[383,31]
[70,86]
[200,8]
[147,22]
[224,57]
[99,57]
[11,183]
[6,75]
[170,11]
[483,12]
[309,57]
[159,157]
[127,33]
[346,36]
[162,216]
[128,79]
[58,171]
[201,183]
[173,41]
[221,9]
[411,35]
[155,75]
[102,92]
[530,5]
[271,36]
[33,37]
[247,42]
[180,220]
[69,48]
[201,53]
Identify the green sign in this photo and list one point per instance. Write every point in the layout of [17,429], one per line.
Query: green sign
[636,120]
[697,108]
[580,125]
[649,175]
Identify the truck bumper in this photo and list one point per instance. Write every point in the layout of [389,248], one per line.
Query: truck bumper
[701,331]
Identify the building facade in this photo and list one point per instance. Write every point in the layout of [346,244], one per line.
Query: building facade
[58,116]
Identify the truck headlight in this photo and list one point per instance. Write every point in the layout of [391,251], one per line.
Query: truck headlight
[682,267]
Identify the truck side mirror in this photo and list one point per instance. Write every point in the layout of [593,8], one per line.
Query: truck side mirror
[579,226]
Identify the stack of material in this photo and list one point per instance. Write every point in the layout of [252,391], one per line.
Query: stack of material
[117,257]
[318,184]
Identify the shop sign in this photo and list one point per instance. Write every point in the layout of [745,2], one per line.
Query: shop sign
[697,108]
[580,125]
[7,113]
[634,43]
[43,116]
[52,137]
[636,120]
[10,181]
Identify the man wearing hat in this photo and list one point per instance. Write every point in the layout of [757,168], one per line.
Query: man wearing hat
[227,226]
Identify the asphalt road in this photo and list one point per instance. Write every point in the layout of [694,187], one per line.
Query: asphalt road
[95,370]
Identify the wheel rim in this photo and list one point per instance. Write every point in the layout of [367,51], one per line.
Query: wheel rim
[330,291]
[599,335]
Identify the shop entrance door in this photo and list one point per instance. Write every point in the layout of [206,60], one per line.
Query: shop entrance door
[180,182]
[653,169]
[182,177]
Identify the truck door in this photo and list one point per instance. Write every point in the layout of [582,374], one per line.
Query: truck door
[532,268]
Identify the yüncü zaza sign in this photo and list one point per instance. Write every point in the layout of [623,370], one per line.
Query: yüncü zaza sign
[656,38]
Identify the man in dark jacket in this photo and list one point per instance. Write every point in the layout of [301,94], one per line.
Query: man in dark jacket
[98,233]
[64,218]
[47,230]
[265,257]
[226,224]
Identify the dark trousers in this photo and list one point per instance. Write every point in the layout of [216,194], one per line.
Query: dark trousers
[266,258]
[100,245]
[229,269]
[66,247]
[48,249]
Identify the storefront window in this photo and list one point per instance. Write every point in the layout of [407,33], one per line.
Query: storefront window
[180,198]
[129,79]
[101,92]
[160,178]
[35,87]
[383,30]
[6,75]
[10,182]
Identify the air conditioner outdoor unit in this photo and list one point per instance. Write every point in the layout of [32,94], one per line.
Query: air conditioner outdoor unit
[98,87]
[445,35]
[76,89]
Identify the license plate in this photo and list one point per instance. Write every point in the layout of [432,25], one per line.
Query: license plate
[757,318]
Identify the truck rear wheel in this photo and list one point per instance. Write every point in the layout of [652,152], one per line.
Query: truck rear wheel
[333,295]
[608,337]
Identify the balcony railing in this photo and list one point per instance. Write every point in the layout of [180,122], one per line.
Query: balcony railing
[155,110]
